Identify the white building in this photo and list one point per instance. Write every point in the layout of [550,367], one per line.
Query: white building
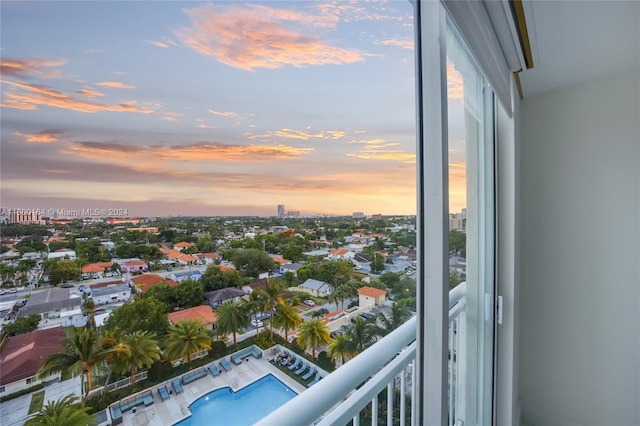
[111,292]
[56,306]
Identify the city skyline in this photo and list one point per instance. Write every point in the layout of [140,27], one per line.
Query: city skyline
[209,109]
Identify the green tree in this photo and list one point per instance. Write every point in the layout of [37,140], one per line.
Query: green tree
[83,352]
[232,317]
[186,338]
[7,272]
[66,411]
[63,270]
[252,262]
[286,317]
[22,325]
[399,315]
[377,263]
[293,252]
[362,334]
[189,293]
[342,348]
[140,313]
[270,297]
[458,243]
[215,278]
[162,292]
[141,350]
[312,334]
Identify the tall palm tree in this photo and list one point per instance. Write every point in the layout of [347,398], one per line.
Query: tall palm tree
[64,412]
[342,347]
[142,350]
[312,334]
[232,317]
[362,334]
[399,315]
[82,353]
[270,297]
[254,305]
[286,317]
[186,338]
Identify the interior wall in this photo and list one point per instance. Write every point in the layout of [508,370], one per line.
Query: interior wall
[579,255]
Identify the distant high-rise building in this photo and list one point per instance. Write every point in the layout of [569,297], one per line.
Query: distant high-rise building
[458,221]
[280,210]
[358,215]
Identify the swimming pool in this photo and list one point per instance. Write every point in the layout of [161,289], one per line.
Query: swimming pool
[245,407]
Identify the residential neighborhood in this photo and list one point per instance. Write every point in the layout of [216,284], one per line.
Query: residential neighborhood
[175,272]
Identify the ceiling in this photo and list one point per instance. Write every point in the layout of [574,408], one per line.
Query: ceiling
[577,41]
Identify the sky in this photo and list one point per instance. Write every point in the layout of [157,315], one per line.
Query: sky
[208,108]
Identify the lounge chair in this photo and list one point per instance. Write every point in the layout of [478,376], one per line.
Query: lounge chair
[301,369]
[214,370]
[225,365]
[164,392]
[177,386]
[295,364]
[309,374]
[315,380]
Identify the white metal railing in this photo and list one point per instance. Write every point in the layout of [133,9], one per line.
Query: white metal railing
[339,398]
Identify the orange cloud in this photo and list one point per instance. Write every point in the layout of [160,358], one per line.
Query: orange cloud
[27,67]
[455,83]
[379,149]
[40,137]
[250,38]
[300,134]
[35,95]
[206,151]
[89,93]
[115,84]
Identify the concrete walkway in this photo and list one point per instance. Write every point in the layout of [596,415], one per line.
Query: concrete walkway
[16,411]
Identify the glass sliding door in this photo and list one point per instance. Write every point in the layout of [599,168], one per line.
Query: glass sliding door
[470,150]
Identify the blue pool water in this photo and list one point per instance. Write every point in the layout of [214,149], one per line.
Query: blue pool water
[245,407]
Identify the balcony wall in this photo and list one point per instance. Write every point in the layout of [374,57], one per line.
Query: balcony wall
[578,247]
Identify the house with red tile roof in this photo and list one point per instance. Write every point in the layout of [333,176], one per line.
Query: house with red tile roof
[208,258]
[96,268]
[340,254]
[371,296]
[182,245]
[136,266]
[23,355]
[202,313]
[145,281]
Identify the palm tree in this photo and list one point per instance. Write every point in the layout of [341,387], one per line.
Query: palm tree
[186,338]
[63,412]
[270,297]
[399,315]
[83,353]
[232,317]
[362,334]
[142,350]
[312,334]
[286,317]
[342,347]
[254,305]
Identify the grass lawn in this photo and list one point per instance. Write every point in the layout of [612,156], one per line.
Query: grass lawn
[37,399]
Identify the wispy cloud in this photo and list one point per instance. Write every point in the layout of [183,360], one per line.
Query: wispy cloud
[380,149]
[224,113]
[89,93]
[257,37]
[45,136]
[30,67]
[33,96]
[397,42]
[205,151]
[115,84]
[299,134]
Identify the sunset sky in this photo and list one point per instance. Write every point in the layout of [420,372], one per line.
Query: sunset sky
[217,108]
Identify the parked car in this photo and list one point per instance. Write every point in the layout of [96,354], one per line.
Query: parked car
[256,323]
[2,291]
[309,303]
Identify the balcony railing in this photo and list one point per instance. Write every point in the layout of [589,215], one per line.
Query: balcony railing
[387,366]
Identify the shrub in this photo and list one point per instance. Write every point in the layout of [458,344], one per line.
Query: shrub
[325,362]
[218,349]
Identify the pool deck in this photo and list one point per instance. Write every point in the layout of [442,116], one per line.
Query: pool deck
[176,407]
